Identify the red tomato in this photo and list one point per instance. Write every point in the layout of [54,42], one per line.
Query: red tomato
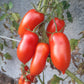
[30,20]
[51,26]
[26,47]
[30,77]
[60,51]
[27,82]
[21,80]
[26,68]
[39,59]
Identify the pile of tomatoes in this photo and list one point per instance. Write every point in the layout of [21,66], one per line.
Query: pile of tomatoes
[30,46]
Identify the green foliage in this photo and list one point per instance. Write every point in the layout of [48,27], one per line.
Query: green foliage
[59,11]
[69,16]
[7,56]
[65,4]
[11,23]
[12,29]
[83,55]
[73,44]
[53,4]
[14,44]
[48,59]
[15,25]
[1,46]
[82,33]
[58,8]
[10,5]
[3,17]
[5,43]
[12,18]
[1,55]
[55,80]
[6,6]
[0,7]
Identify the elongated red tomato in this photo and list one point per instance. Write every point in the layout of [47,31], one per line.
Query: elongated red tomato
[60,51]
[30,20]
[26,47]
[39,59]
[21,80]
[51,26]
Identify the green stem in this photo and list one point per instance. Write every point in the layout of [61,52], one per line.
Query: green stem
[74,77]
[38,26]
[45,2]
[39,5]
[59,8]
[34,6]
[46,6]
[56,1]
[40,79]
[44,36]
[41,23]
[65,78]
[55,25]
[61,29]
[43,77]
[42,29]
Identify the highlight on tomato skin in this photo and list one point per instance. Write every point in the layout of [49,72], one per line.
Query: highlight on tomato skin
[52,28]
[30,20]
[27,46]
[60,51]
[39,60]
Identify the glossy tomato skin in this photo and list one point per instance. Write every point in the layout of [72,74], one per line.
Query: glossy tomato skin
[27,82]
[51,26]
[30,77]
[60,51]
[26,47]
[30,20]
[21,80]
[39,59]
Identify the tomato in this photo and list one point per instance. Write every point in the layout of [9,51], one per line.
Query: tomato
[30,20]
[26,68]
[27,82]
[39,59]
[30,77]
[26,47]
[60,51]
[51,26]
[21,80]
